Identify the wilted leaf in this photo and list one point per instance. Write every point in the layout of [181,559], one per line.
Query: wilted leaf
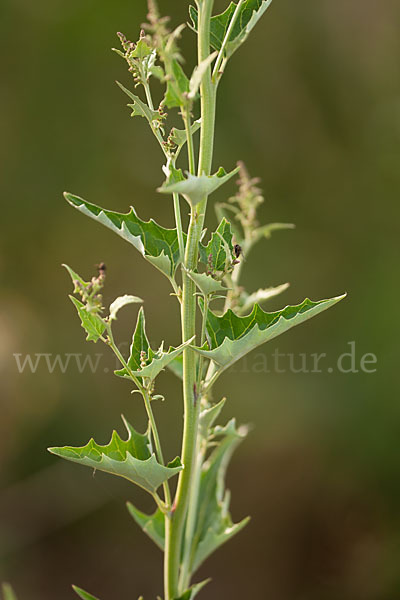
[132,459]
[155,243]
[230,336]
[120,303]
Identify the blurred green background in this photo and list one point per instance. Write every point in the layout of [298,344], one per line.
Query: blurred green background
[312,104]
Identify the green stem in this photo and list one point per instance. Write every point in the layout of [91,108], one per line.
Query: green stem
[173,550]
[177,208]
[189,136]
[203,336]
[149,410]
[178,223]
[220,56]
[191,521]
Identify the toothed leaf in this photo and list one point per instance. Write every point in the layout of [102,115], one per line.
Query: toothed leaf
[230,336]
[139,108]
[91,322]
[131,458]
[195,188]
[214,524]
[156,244]
[143,361]
[250,13]
[153,525]
[215,251]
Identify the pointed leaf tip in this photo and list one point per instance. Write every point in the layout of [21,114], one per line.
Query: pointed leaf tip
[231,336]
[8,592]
[194,188]
[131,459]
[82,594]
[158,245]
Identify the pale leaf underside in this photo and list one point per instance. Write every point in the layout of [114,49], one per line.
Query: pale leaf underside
[250,13]
[230,336]
[156,244]
[132,459]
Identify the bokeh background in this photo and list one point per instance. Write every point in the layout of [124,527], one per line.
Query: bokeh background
[312,104]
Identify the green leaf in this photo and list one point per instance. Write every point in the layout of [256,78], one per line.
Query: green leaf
[214,524]
[266,230]
[143,361]
[247,301]
[198,74]
[139,108]
[132,459]
[157,245]
[250,13]
[178,136]
[120,303]
[76,278]
[141,50]
[229,212]
[177,86]
[8,592]
[192,592]
[215,251]
[176,366]
[82,594]
[153,525]
[230,337]
[91,322]
[206,284]
[209,415]
[195,188]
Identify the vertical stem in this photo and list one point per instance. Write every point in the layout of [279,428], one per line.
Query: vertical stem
[185,573]
[178,222]
[189,137]
[174,534]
